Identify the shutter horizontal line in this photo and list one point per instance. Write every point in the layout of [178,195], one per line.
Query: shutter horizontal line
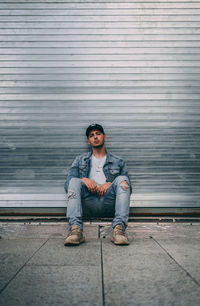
[102,24]
[190,109]
[97,1]
[78,56]
[107,50]
[39,156]
[136,204]
[155,177]
[18,164]
[138,77]
[104,44]
[136,88]
[94,96]
[102,90]
[38,161]
[96,37]
[89,61]
[139,116]
[100,64]
[102,18]
[99,5]
[139,124]
[115,102]
[56,176]
[61,196]
[50,173]
[100,11]
[154,132]
[157,144]
[173,26]
[43,84]
[138,136]
[53,190]
[78,10]
[101,70]
[104,32]
[145,176]
[148,122]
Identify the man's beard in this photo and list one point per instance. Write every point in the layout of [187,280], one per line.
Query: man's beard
[98,146]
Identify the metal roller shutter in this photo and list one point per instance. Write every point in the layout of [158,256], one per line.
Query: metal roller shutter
[132,66]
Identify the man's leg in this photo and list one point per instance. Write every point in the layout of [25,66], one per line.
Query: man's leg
[122,201]
[81,203]
[119,195]
[77,190]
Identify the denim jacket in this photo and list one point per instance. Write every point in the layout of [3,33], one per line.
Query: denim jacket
[113,167]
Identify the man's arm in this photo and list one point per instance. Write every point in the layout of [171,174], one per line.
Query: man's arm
[124,171]
[102,189]
[73,172]
[90,184]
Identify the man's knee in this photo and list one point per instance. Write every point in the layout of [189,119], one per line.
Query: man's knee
[75,181]
[124,185]
[75,185]
[123,182]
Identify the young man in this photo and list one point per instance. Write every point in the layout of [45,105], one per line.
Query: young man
[97,185]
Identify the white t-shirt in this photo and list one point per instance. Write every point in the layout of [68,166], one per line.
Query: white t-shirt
[96,171]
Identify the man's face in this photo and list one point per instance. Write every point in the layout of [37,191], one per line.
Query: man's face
[96,139]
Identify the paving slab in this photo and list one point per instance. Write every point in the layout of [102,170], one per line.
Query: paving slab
[49,273]
[54,253]
[143,273]
[13,255]
[54,285]
[183,244]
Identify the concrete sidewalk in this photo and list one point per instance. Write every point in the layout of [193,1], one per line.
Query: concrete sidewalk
[160,267]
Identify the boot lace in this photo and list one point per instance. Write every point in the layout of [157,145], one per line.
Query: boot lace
[75,231]
[119,231]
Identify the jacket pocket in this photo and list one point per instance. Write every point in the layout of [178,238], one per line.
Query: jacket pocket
[114,171]
[82,170]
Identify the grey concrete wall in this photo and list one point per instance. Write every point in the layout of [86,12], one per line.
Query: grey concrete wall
[132,66]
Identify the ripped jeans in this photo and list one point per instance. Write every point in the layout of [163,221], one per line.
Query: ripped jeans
[115,203]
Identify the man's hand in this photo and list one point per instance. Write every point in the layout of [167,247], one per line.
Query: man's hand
[90,184]
[101,190]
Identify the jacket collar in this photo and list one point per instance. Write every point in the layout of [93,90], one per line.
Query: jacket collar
[108,157]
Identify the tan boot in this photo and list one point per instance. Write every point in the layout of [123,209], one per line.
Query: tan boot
[118,236]
[75,236]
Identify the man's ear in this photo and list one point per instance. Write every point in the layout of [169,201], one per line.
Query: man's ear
[105,137]
[88,141]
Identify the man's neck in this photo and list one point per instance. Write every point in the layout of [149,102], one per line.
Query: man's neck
[99,152]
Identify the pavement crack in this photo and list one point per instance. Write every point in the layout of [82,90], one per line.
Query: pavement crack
[102,275]
[10,280]
[188,274]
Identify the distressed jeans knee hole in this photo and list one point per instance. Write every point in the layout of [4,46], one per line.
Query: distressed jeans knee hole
[72,194]
[124,185]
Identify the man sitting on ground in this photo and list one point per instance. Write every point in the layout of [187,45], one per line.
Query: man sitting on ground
[97,185]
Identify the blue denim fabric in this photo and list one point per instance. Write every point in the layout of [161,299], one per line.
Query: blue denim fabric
[113,167]
[81,202]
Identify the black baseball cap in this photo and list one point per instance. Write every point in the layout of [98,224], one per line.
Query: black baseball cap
[94,126]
